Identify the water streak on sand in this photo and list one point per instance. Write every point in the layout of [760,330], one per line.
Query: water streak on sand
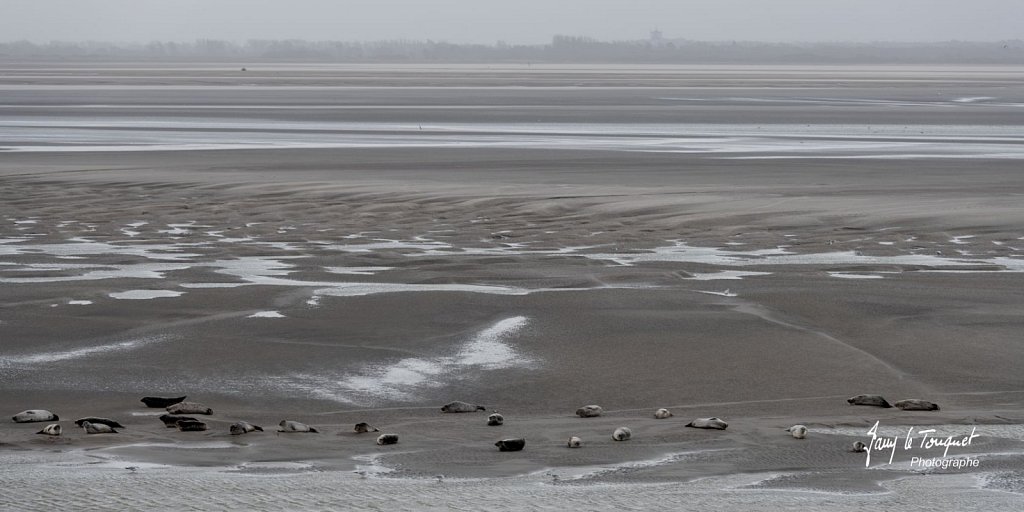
[50,357]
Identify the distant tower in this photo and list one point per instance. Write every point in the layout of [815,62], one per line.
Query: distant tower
[656,37]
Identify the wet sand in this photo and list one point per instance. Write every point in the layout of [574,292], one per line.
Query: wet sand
[369,246]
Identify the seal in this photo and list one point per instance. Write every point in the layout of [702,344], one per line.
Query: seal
[98,428]
[241,427]
[913,404]
[859,447]
[171,421]
[574,442]
[511,445]
[189,408]
[495,420]
[873,400]
[797,431]
[387,439]
[94,420]
[362,428]
[458,406]
[52,429]
[294,426]
[662,414]
[589,411]
[191,426]
[622,434]
[713,423]
[159,402]
[34,415]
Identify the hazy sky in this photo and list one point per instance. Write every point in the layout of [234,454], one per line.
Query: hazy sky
[513,21]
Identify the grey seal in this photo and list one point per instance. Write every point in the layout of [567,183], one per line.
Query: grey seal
[873,400]
[191,426]
[34,415]
[387,439]
[574,442]
[495,420]
[622,434]
[52,429]
[797,431]
[159,402]
[589,411]
[510,445]
[171,421]
[913,404]
[458,406]
[94,420]
[859,447]
[362,428]
[241,427]
[189,408]
[662,414]
[713,423]
[294,426]
[98,428]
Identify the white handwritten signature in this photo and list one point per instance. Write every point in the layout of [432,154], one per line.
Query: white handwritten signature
[879,443]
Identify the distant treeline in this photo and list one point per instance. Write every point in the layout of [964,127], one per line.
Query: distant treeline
[561,49]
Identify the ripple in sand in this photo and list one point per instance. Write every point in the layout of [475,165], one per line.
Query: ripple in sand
[145,294]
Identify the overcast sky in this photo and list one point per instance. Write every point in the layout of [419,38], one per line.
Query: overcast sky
[513,21]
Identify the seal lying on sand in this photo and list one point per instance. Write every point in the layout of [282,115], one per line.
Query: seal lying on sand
[171,421]
[589,411]
[33,415]
[797,431]
[159,402]
[510,445]
[622,434]
[715,423]
[241,427]
[94,420]
[913,404]
[98,428]
[495,420]
[189,408]
[387,439]
[294,426]
[874,400]
[362,428]
[574,442]
[458,406]
[191,426]
[859,447]
[52,429]
[662,414]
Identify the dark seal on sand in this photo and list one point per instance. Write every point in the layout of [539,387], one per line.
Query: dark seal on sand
[510,445]
[712,423]
[458,406]
[362,428]
[159,402]
[589,411]
[495,420]
[188,408]
[171,421]
[241,427]
[387,439]
[94,420]
[913,404]
[873,400]
[191,426]
[33,415]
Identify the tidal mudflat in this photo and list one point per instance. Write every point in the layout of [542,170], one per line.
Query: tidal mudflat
[340,244]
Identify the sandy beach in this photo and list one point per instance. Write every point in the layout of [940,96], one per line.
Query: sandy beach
[338,244]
